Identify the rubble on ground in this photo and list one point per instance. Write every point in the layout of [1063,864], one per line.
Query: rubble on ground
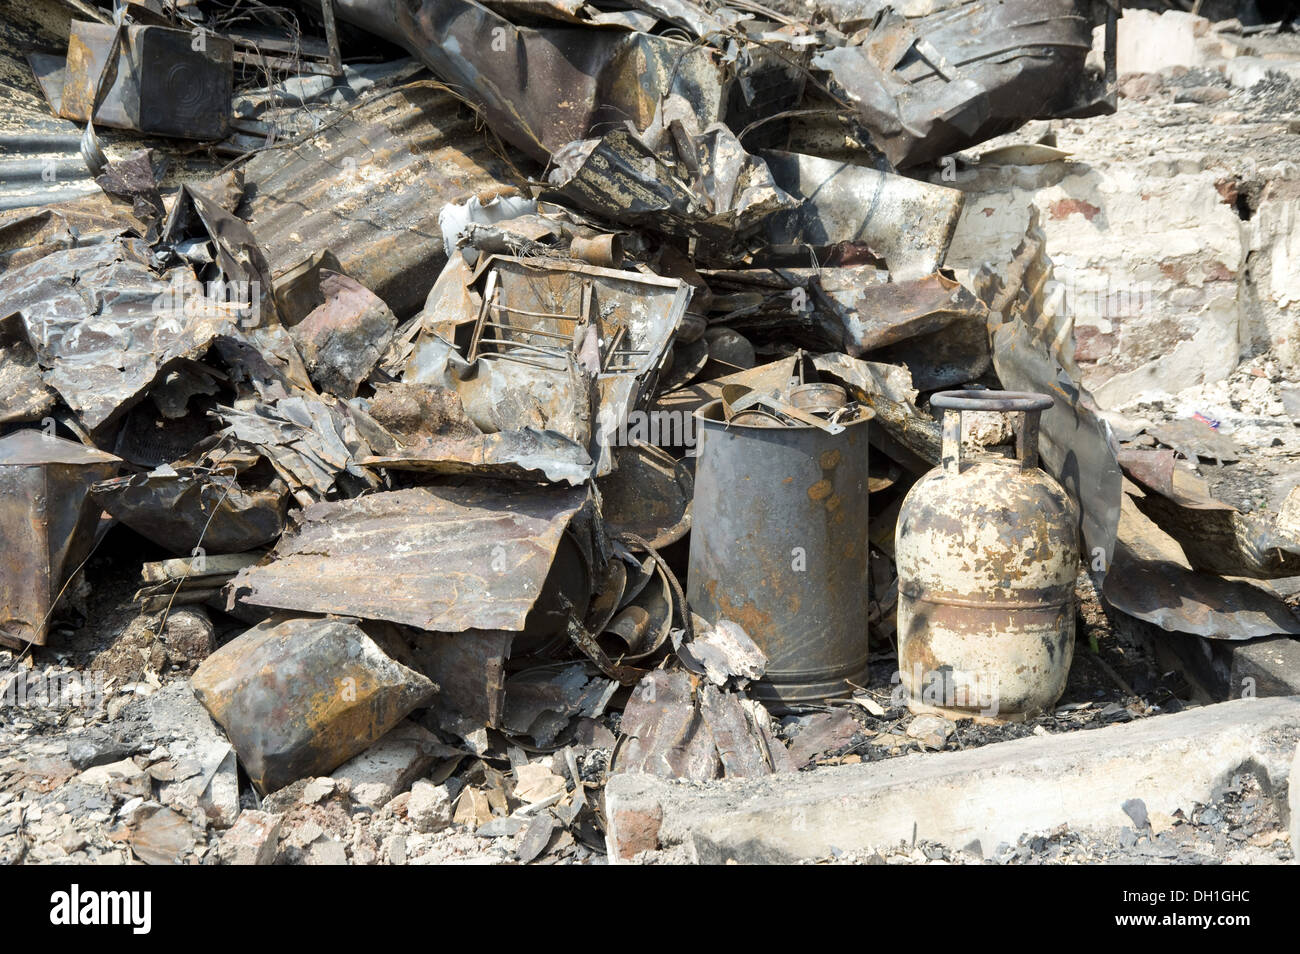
[443,411]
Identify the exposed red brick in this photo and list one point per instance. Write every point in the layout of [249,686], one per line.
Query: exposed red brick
[1063,208]
[637,830]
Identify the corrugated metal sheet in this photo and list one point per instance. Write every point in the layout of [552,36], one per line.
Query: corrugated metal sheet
[369,190]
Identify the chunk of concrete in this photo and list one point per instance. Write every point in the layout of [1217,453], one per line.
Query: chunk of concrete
[430,806]
[252,840]
[389,766]
[991,794]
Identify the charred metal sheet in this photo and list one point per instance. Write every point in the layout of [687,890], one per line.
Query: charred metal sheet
[714,190]
[47,523]
[722,652]
[445,559]
[342,340]
[906,222]
[182,508]
[24,396]
[778,544]
[368,190]
[820,734]
[540,702]
[543,88]
[163,85]
[963,71]
[232,259]
[300,697]
[104,326]
[1033,351]
[1214,536]
[740,750]
[648,493]
[1149,579]
[522,454]
[1194,439]
[314,446]
[934,326]
[469,670]
[664,733]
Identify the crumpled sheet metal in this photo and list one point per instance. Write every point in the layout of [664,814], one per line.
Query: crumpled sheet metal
[543,88]
[673,730]
[47,525]
[445,559]
[182,508]
[959,73]
[104,326]
[368,189]
[933,325]
[343,339]
[524,453]
[1149,579]
[540,702]
[300,697]
[314,446]
[24,396]
[469,670]
[1033,351]
[620,177]
[907,222]
[1214,536]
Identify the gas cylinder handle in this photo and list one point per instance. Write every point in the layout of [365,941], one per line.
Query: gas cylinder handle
[1030,403]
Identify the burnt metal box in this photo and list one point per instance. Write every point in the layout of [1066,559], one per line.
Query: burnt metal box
[164,85]
[47,525]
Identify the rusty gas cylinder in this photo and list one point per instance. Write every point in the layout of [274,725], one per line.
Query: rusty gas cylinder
[987,551]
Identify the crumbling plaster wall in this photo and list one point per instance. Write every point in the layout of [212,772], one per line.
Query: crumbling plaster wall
[1172,232]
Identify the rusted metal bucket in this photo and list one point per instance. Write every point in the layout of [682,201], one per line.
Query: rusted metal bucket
[779,545]
[987,551]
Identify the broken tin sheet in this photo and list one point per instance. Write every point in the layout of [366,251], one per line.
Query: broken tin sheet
[714,191]
[181,508]
[543,88]
[1149,579]
[961,72]
[367,191]
[522,454]
[445,559]
[933,325]
[1214,536]
[105,326]
[907,222]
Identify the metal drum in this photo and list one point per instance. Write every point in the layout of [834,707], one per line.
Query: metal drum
[779,544]
[987,551]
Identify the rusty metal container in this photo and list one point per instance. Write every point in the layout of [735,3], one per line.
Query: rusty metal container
[987,550]
[47,525]
[779,544]
[164,86]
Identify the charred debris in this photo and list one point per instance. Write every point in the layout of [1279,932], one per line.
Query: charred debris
[530,389]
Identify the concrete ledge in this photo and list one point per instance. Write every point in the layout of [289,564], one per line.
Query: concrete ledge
[991,794]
